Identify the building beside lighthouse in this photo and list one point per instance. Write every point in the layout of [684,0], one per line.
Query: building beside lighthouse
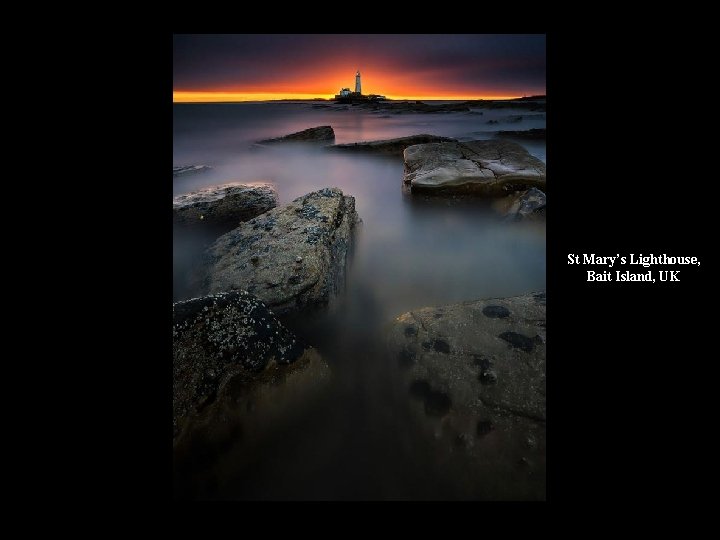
[346,96]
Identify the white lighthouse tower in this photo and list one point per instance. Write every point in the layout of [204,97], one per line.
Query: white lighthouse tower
[357,83]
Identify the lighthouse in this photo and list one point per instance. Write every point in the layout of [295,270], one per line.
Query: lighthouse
[346,96]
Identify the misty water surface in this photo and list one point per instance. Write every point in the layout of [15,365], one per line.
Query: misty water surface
[408,254]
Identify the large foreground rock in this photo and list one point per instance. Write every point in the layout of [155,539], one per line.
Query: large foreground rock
[474,374]
[320,133]
[488,168]
[393,147]
[240,378]
[224,206]
[217,338]
[291,257]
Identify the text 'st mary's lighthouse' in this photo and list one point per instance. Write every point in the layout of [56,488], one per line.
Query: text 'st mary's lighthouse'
[357,83]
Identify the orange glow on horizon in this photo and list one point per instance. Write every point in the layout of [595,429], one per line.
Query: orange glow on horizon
[326,81]
[222,96]
[213,97]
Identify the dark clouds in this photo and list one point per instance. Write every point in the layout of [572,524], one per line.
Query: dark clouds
[261,62]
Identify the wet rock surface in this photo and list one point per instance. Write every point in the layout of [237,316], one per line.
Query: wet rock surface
[238,376]
[489,168]
[292,258]
[320,133]
[481,394]
[217,337]
[224,206]
[393,147]
[496,311]
[526,205]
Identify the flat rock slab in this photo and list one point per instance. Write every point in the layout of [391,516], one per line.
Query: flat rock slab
[218,337]
[291,257]
[487,168]
[475,375]
[224,206]
[190,169]
[320,133]
[393,147]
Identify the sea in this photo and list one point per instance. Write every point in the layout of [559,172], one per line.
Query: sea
[409,252]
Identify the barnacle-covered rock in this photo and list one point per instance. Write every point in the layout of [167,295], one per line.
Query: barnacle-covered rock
[221,337]
[292,257]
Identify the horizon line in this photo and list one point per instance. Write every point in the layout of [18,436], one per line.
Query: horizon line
[239,97]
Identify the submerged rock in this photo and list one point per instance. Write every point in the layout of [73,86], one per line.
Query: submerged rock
[533,103]
[476,375]
[528,134]
[218,337]
[320,133]
[190,169]
[528,204]
[490,168]
[390,146]
[225,206]
[291,257]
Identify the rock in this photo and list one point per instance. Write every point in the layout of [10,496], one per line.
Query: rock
[489,168]
[403,107]
[240,379]
[390,146]
[217,338]
[528,204]
[485,385]
[320,133]
[224,206]
[470,338]
[535,103]
[190,169]
[528,134]
[317,227]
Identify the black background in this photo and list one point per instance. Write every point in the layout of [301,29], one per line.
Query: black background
[628,363]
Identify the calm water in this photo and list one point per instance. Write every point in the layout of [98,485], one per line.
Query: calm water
[408,254]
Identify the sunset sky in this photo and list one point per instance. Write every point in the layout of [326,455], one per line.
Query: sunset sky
[246,67]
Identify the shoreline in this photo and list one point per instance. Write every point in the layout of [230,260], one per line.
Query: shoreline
[333,101]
